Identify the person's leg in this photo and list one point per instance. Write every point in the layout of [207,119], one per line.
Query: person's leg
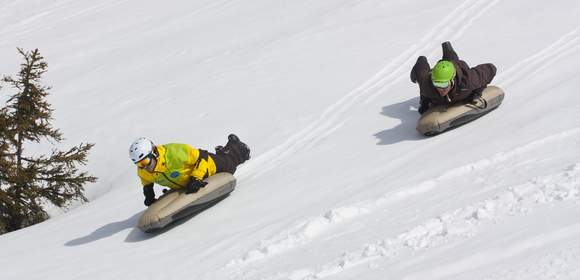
[239,147]
[224,163]
[228,157]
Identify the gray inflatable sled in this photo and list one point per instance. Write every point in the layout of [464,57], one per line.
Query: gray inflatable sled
[175,204]
[441,118]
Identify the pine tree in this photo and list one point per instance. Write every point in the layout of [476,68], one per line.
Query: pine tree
[29,183]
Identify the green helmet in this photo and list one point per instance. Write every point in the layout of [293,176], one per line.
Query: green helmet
[443,72]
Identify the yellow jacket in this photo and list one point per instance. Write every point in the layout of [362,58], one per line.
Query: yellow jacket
[176,164]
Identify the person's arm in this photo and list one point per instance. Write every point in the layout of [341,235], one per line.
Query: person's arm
[420,70]
[480,76]
[198,160]
[149,194]
[423,104]
[449,53]
[476,80]
[194,185]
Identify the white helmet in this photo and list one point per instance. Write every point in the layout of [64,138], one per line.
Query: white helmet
[141,148]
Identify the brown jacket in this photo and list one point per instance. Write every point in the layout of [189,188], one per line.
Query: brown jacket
[468,82]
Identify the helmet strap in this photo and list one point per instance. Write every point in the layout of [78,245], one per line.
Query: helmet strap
[155,152]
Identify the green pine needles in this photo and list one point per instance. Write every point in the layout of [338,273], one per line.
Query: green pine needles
[29,184]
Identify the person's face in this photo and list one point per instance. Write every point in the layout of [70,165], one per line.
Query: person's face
[444,91]
[147,164]
[151,166]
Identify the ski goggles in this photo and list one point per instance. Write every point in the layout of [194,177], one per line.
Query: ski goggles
[145,161]
[442,84]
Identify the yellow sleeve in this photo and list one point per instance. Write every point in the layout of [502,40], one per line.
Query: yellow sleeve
[145,177]
[201,172]
[193,156]
[199,166]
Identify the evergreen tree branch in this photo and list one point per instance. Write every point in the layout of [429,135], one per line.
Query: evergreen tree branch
[27,183]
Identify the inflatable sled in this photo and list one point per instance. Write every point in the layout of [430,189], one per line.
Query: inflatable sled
[441,118]
[175,204]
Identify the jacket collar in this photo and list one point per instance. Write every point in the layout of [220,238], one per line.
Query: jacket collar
[161,165]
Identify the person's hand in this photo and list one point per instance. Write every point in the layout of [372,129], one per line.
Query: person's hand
[149,194]
[420,60]
[149,200]
[194,185]
[446,44]
[423,108]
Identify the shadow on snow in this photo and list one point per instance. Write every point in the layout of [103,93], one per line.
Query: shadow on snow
[405,131]
[106,231]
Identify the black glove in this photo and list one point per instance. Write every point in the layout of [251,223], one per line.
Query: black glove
[477,94]
[448,51]
[194,185]
[149,194]
[420,61]
[477,101]
[446,44]
[148,201]
[423,108]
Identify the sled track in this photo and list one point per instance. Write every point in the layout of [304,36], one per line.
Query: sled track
[306,231]
[565,46]
[59,10]
[62,6]
[449,28]
[463,223]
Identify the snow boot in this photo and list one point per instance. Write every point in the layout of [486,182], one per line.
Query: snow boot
[242,147]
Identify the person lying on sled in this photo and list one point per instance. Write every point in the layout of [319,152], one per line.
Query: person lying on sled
[451,81]
[180,166]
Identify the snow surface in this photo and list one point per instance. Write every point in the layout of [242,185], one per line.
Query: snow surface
[340,185]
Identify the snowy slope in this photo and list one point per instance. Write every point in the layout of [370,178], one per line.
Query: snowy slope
[340,185]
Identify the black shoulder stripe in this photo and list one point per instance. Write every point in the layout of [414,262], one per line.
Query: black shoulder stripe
[203,154]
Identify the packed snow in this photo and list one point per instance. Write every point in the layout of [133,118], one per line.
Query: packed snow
[340,184]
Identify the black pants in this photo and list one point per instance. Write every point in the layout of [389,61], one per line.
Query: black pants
[228,159]
[224,163]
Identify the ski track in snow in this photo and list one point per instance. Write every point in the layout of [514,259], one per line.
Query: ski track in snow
[566,45]
[305,231]
[464,223]
[63,17]
[450,28]
[299,234]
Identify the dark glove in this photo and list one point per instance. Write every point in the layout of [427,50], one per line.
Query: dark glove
[423,108]
[423,104]
[149,195]
[448,51]
[477,101]
[194,185]
[421,60]
[148,201]
[477,94]
[447,45]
